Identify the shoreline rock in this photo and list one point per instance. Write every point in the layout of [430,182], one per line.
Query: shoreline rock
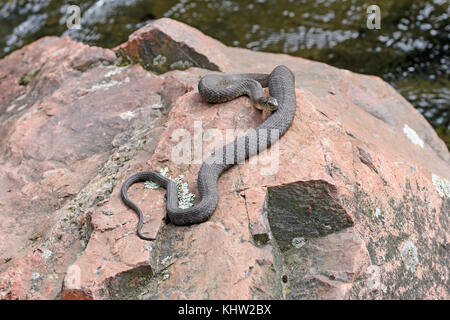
[357,208]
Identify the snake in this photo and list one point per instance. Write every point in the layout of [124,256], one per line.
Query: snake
[219,88]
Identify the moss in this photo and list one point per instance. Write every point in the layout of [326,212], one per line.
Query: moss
[28,77]
[130,284]
[261,238]
[123,60]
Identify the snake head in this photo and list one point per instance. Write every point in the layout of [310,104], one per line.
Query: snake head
[267,103]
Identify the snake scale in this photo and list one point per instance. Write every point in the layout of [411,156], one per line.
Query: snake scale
[217,89]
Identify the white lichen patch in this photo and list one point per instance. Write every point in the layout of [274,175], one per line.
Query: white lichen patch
[22,107]
[158,105]
[149,247]
[127,116]
[181,65]
[413,136]
[11,107]
[114,71]
[151,185]
[409,255]
[164,171]
[377,212]
[166,260]
[46,254]
[105,85]
[442,185]
[35,276]
[185,198]
[159,60]
[298,242]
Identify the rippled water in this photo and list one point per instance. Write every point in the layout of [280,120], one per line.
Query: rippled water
[410,51]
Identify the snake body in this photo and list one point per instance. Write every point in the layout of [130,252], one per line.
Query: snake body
[217,89]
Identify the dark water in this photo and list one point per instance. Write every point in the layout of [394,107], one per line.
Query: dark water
[410,51]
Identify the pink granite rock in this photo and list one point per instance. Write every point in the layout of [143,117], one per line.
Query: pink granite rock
[351,203]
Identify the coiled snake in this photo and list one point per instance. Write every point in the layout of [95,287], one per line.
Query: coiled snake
[216,89]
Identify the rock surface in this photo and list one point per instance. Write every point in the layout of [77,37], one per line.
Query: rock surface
[352,203]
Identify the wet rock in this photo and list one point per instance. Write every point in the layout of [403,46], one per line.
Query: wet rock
[166,44]
[351,203]
[305,209]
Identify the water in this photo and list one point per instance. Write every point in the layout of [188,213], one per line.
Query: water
[410,51]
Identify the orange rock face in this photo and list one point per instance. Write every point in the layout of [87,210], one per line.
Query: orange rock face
[351,203]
